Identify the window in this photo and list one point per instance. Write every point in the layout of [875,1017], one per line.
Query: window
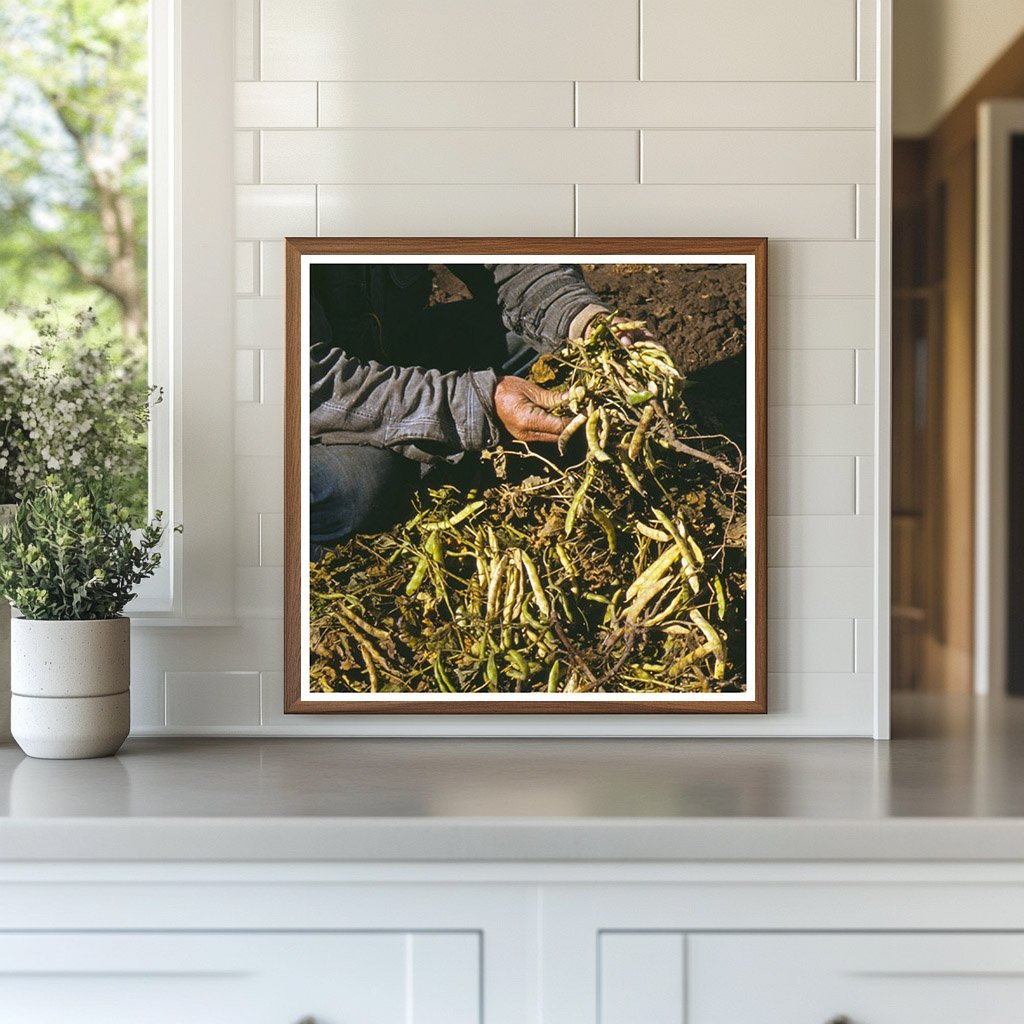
[165,89]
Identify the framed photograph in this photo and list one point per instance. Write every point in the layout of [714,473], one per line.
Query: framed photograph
[525,475]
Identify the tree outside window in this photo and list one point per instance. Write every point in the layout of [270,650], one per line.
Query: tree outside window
[73,174]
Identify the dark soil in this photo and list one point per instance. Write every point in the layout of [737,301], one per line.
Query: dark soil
[698,312]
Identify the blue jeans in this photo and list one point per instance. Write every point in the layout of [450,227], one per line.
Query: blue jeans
[355,489]
[358,489]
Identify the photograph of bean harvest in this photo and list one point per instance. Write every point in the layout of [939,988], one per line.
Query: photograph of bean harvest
[525,475]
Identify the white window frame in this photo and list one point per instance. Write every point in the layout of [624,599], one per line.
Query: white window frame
[998,122]
[191,282]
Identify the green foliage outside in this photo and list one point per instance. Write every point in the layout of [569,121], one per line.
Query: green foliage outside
[72,407]
[71,554]
[73,223]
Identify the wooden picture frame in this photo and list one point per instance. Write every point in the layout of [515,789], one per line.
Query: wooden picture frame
[667,259]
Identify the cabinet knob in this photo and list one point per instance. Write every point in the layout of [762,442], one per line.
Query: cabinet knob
[842,1019]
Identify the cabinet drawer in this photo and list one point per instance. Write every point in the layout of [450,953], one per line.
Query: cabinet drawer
[867,978]
[242,978]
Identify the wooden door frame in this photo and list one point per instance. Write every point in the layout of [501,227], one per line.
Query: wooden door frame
[998,121]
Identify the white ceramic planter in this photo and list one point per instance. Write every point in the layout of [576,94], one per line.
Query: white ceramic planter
[69,685]
[6,515]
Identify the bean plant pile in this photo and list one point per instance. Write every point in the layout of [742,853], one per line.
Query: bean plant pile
[613,562]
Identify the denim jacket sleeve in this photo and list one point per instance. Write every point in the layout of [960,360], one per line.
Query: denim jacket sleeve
[545,303]
[420,413]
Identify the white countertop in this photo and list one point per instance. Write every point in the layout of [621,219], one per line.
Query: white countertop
[950,786]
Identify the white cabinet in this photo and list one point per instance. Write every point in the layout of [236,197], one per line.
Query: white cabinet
[672,978]
[511,943]
[241,978]
[868,978]
[787,943]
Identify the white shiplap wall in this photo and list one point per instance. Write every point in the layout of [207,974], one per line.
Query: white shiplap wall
[749,117]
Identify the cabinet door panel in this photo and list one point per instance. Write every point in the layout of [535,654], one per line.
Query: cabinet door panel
[867,978]
[641,977]
[242,978]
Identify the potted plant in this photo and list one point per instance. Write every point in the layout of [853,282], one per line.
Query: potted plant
[11,387]
[73,406]
[69,563]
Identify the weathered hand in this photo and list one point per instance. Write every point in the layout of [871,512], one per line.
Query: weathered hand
[522,407]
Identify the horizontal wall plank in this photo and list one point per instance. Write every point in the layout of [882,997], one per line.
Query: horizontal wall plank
[271,269]
[446,105]
[246,375]
[448,40]
[455,156]
[779,211]
[821,592]
[865,376]
[259,484]
[807,540]
[811,377]
[245,268]
[865,485]
[821,430]
[271,538]
[275,104]
[259,323]
[247,538]
[821,268]
[823,703]
[811,645]
[867,25]
[212,698]
[740,41]
[776,157]
[246,170]
[864,651]
[246,49]
[260,592]
[866,212]
[271,376]
[811,486]
[726,104]
[821,323]
[446,210]
[800,704]
[259,429]
[273,211]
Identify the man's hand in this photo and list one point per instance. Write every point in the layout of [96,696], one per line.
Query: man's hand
[522,407]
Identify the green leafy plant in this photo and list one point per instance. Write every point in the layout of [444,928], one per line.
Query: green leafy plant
[76,407]
[72,554]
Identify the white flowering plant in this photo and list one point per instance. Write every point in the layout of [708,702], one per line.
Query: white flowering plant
[76,408]
[71,554]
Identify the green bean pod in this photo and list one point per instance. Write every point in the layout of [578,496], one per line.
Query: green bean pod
[713,638]
[574,505]
[472,508]
[441,676]
[593,443]
[555,676]
[536,586]
[418,576]
[497,571]
[573,425]
[638,435]
[606,524]
[632,479]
